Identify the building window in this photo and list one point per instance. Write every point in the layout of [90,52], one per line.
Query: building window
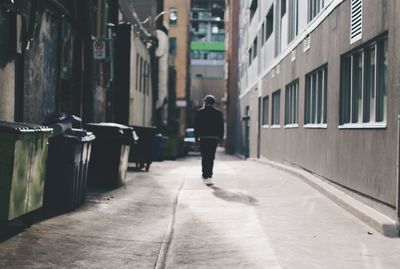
[293,19]
[276,107]
[262,34]
[253,8]
[207,55]
[172,46]
[250,56]
[316,98]
[146,76]
[173,16]
[363,91]
[140,73]
[255,49]
[283,7]
[314,8]
[292,104]
[137,71]
[269,23]
[265,111]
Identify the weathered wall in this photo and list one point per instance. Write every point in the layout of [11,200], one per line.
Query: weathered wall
[181,32]
[42,69]
[362,160]
[249,127]
[7,66]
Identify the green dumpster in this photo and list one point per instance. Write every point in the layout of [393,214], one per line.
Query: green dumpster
[23,156]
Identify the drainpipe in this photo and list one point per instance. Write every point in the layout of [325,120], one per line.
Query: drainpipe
[398,175]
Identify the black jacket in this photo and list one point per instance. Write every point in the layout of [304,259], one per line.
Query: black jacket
[209,122]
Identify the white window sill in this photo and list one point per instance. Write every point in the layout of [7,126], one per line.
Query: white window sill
[316,126]
[291,126]
[369,125]
[265,126]
[275,126]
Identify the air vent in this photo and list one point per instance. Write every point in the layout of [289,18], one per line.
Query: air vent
[293,56]
[356,21]
[307,43]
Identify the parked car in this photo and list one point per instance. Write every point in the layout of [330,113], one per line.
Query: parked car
[190,142]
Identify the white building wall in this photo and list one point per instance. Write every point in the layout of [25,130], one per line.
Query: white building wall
[250,75]
[140,108]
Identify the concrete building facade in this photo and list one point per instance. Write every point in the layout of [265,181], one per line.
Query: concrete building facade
[177,20]
[318,90]
[63,57]
[207,47]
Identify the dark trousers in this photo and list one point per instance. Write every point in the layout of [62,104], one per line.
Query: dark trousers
[207,149]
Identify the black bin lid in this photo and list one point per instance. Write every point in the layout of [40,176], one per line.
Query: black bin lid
[21,127]
[111,130]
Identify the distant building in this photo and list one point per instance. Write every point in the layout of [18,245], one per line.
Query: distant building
[177,20]
[319,90]
[207,37]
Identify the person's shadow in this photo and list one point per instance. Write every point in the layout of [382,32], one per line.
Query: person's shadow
[234,197]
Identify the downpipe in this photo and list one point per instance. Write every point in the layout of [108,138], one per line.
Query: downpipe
[398,176]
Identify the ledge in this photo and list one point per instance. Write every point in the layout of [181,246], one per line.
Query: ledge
[380,125]
[316,126]
[291,126]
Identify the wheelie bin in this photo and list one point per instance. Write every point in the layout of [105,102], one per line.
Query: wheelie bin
[109,161]
[67,167]
[23,156]
[142,152]
[157,148]
[170,148]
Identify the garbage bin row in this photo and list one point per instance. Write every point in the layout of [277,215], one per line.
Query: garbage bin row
[52,166]
[23,154]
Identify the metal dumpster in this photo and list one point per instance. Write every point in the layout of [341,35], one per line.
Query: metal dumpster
[143,152]
[66,179]
[110,151]
[23,155]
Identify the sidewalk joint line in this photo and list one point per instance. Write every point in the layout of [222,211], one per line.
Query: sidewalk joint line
[169,233]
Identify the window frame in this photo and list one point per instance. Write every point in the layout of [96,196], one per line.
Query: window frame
[316,94]
[255,47]
[269,26]
[265,123]
[314,7]
[253,8]
[293,25]
[140,74]
[373,103]
[276,109]
[292,104]
[283,8]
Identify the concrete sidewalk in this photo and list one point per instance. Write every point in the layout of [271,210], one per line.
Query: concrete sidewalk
[255,216]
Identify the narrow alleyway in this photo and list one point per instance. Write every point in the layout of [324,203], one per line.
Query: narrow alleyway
[254,217]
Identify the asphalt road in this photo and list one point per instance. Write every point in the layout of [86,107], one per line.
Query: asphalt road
[254,216]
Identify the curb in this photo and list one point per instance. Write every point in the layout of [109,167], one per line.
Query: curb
[376,220]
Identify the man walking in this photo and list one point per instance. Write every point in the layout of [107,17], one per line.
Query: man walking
[208,131]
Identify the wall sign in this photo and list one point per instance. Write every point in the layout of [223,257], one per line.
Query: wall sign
[99,50]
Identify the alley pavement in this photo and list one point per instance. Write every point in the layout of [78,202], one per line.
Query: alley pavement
[255,216]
